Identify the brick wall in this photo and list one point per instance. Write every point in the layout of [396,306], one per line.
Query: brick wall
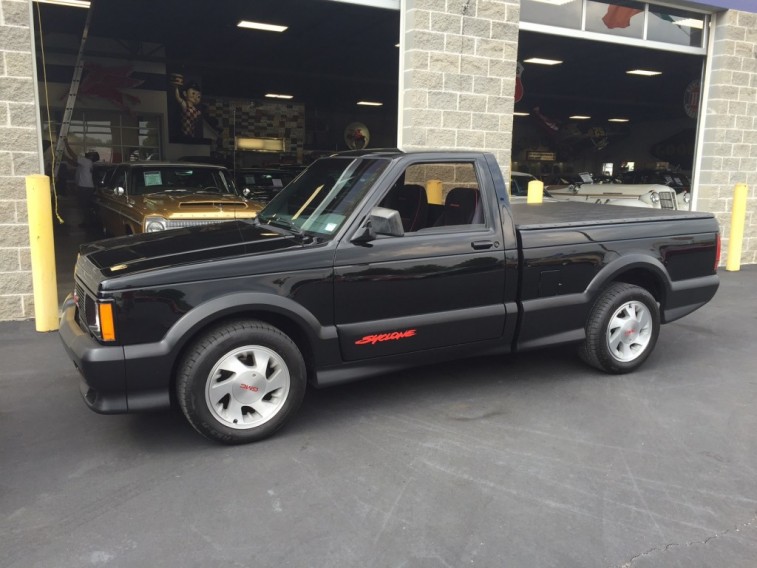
[459,75]
[19,157]
[729,150]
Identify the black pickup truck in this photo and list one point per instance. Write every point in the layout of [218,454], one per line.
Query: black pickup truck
[352,270]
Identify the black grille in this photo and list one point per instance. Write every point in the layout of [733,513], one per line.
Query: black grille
[81,304]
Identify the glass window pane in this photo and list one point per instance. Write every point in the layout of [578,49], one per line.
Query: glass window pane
[615,17]
[561,13]
[675,26]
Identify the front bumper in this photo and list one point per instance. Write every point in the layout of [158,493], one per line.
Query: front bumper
[102,367]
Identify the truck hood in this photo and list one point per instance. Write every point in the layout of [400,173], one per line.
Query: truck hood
[151,251]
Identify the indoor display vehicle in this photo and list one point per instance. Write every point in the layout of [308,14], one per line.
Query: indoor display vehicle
[145,197]
[351,272]
[678,181]
[262,184]
[653,196]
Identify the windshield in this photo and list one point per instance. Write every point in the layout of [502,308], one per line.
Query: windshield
[323,196]
[181,179]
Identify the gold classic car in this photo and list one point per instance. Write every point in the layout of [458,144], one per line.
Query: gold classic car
[144,197]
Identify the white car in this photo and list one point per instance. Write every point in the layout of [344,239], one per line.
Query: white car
[652,195]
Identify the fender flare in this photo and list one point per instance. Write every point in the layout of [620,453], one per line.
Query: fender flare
[220,307]
[626,263]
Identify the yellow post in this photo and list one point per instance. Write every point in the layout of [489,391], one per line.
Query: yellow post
[42,252]
[535,191]
[738,218]
[434,192]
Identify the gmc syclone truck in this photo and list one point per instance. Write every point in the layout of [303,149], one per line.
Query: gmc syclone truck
[351,271]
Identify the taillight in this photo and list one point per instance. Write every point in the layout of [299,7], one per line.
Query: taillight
[717,252]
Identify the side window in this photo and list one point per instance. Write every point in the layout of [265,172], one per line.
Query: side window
[434,195]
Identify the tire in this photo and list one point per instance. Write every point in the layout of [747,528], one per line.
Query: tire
[621,330]
[240,382]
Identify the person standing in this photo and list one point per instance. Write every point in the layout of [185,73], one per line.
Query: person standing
[85,186]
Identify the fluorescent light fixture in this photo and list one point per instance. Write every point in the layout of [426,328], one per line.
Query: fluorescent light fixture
[387,4]
[555,2]
[690,23]
[71,3]
[579,117]
[643,72]
[521,114]
[277,96]
[617,120]
[260,144]
[260,26]
[370,103]
[541,61]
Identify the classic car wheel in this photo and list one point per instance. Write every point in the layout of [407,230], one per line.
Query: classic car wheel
[622,329]
[241,381]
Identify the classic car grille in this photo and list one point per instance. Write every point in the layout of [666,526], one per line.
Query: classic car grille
[180,223]
[667,200]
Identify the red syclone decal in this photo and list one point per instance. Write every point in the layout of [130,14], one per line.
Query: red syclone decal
[249,388]
[393,336]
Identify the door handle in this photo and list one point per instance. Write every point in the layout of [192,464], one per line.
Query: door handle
[482,245]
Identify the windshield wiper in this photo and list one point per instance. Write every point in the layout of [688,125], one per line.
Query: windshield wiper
[285,224]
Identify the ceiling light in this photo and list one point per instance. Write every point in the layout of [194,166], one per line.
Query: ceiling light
[643,72]
[370,103]
[71,3]
[277,96]
[520,114]
[579,117]
[388,4]
[540,61]
[555,2]
[259,26]
[617,120]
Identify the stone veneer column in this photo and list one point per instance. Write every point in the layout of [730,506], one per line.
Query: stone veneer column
[19,157]
[729,148]
[458,75]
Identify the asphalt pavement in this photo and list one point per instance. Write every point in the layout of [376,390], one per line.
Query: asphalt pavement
[529,461]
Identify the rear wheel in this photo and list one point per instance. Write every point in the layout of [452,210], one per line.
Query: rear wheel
[621,330]
[241,381]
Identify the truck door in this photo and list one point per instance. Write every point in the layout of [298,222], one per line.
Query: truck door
[440,284]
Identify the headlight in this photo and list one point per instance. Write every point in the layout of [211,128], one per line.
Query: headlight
[654,197]
[155,224]
[686,197]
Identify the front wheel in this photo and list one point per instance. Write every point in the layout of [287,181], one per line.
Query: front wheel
[621,330]
[241,381]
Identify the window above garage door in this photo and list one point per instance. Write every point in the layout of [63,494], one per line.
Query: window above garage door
[618,21]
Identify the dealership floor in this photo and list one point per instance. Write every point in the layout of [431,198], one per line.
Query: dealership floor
[528,461]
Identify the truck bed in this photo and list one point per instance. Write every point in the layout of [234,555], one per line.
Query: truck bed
[570,214]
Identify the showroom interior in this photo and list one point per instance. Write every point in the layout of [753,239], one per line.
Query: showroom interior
[337,64]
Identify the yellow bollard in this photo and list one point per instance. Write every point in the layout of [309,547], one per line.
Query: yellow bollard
[738,218]
[42,252]
[535,191]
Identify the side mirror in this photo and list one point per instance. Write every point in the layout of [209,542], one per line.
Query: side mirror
[380,221]
[119,191]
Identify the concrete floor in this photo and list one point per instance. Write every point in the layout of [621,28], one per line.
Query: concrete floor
[524,461]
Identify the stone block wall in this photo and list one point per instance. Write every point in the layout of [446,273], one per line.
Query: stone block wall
[19,157]
[458,76]
[729,122]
